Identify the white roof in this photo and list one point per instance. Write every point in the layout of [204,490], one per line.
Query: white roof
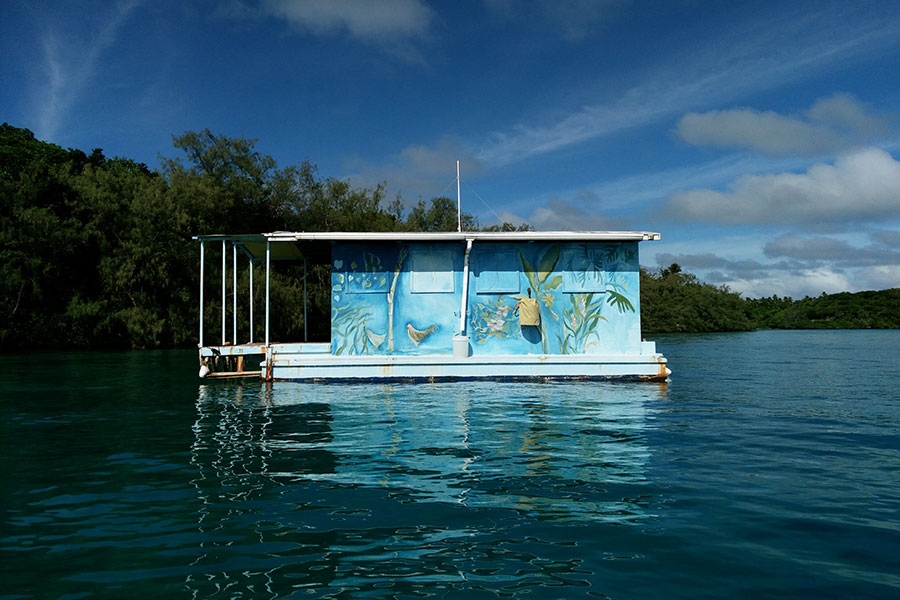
[291,245]
[443,236]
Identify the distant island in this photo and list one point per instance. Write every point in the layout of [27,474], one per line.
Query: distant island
[675,301]
[96,252]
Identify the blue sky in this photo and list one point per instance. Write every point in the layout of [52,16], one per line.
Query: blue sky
[761,139]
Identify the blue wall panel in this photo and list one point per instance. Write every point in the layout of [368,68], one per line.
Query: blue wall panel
[393,298]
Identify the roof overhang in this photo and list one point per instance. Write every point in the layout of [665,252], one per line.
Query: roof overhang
[290,245]
[450,236]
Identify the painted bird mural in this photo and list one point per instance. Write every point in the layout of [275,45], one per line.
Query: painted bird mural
[417,335]
[376,339]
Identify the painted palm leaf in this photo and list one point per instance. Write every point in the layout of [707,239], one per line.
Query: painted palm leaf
[548,263]
[529,271]
[619,301]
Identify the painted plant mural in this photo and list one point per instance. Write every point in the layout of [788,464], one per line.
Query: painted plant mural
[596,270]
[375,307]
[573,284]
[396,298]
[494,318]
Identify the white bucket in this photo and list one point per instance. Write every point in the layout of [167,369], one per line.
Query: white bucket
[461,346]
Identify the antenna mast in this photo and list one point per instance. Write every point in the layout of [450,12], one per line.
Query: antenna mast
[458,202]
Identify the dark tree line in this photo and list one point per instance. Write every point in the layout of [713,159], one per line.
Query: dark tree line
[97,251]
[674,301]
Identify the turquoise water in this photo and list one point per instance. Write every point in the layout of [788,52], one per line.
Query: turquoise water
[769,466]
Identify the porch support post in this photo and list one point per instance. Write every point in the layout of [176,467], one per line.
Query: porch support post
[251,300]
[305,337]
[224,268]
[268,265]
[234,338]
[202,248]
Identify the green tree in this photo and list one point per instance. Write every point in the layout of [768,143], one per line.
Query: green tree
[674,301]
[441,215]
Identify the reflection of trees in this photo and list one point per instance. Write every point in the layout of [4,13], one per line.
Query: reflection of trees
[251,533]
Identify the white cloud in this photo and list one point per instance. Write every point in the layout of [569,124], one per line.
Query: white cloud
[720,69]
[574,19]
[390,23]
[792,264]
[417,171]
[70,63]
[797,284]
[570,216]
[561,215]
[858,186]
[808,248]
[886,237]
[879,277]
[832,124]
[767,132]
[835,251]
[846,112]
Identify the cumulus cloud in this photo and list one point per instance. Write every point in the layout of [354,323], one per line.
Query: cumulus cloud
[832,124]
[808,248]
[754,279]
[796,284]
[418,171]
[574,19]
[707,261]
[392,24]
[843,111]
[879,277]
[396,27]
[886,237]
[559,214]
[833,250]
[767,132]
[858,186]
[570,216]
[796,264]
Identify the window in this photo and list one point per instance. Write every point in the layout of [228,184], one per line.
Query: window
[498,273]
[432,270]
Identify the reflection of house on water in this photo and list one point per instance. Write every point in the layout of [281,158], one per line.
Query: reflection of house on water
[306,464]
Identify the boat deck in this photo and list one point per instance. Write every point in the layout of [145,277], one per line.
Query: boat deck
[314,362]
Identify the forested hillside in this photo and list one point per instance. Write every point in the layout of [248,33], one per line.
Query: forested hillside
[674,301]
[97,251]
[862,310]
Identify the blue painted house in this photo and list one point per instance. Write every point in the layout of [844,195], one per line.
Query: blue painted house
[445,306]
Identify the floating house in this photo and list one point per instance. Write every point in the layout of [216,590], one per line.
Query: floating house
[445,306]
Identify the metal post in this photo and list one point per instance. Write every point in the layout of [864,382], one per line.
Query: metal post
[223,292]
[268,263]
[234,338]
[251,300]
[202,248]
[305,338]
[458,201]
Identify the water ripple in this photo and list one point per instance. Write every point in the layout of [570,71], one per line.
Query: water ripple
[727,482]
